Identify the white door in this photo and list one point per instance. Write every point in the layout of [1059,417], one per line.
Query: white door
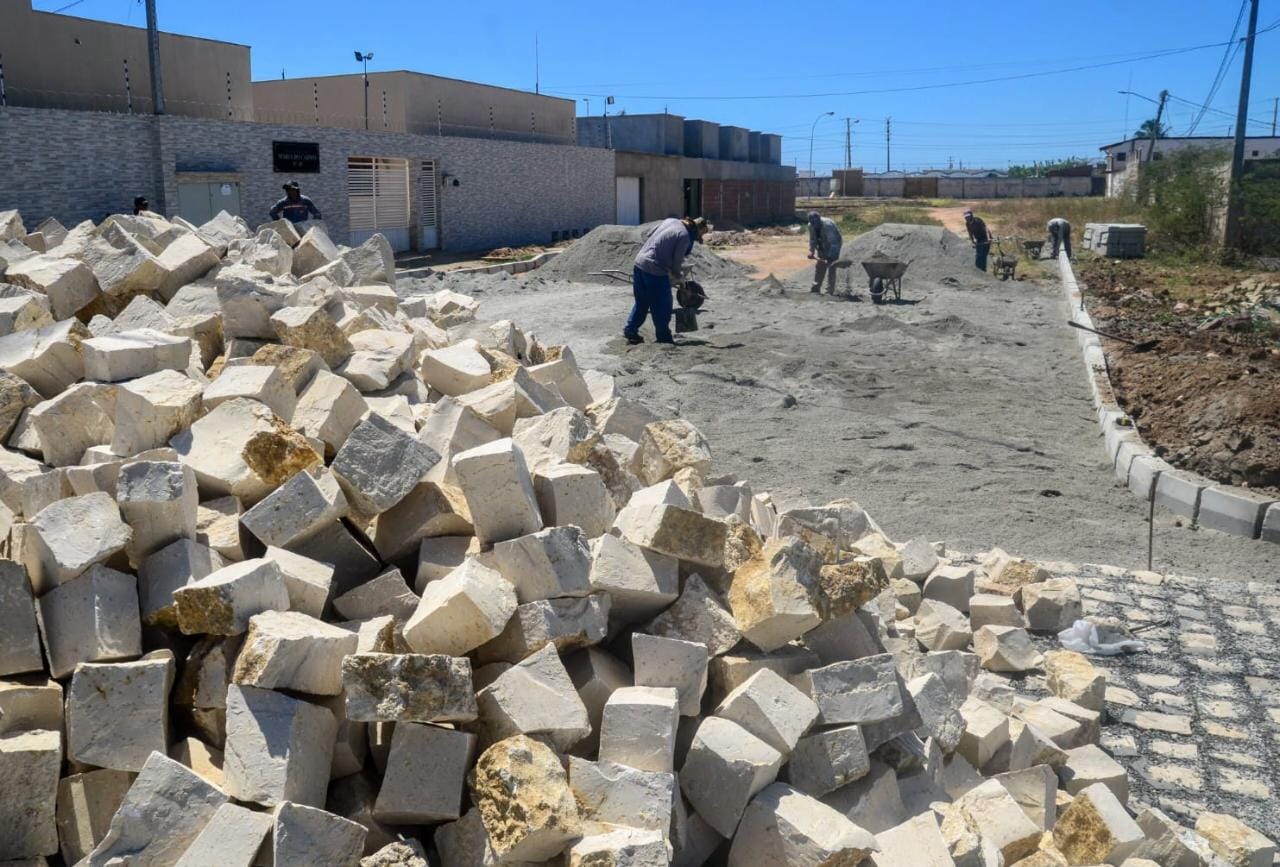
[628,201]
[428,203]
[378,200]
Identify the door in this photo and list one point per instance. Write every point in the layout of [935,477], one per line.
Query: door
[378,200]
[428,204]
[200,202]
[693,197]
[628,201]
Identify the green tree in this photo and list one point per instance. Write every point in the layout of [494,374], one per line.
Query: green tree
[1145,130]
[1183,195]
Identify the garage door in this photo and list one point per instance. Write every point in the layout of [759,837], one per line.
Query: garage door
[378,200]
[628,201]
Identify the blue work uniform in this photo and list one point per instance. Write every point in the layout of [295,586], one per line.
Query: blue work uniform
[297,210]
[659,262]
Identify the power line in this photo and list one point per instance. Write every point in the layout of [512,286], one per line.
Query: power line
[1171,52]
[68,6]
[1228,57]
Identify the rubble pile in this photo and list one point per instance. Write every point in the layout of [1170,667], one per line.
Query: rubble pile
[302,572]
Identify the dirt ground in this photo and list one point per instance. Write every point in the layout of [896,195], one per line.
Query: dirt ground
[1207,398]
[960,414]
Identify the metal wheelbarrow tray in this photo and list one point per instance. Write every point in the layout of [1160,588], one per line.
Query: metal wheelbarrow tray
[884,275]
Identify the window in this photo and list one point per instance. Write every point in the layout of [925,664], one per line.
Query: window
[1121,157]
[1255,153]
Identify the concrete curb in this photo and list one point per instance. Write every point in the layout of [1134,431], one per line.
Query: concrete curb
[510,267]
[1238,511]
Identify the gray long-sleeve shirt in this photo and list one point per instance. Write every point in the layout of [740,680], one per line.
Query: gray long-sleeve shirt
[825,238]
[664,250]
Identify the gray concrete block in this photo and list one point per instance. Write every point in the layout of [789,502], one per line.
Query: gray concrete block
[1143,473]
[1233,510]
[1179,492]
[1271,523]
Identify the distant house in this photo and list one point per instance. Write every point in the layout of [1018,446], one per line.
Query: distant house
[1124,158]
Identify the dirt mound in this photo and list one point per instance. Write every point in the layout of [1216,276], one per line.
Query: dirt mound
[614,248]
[931,253]
[771,285]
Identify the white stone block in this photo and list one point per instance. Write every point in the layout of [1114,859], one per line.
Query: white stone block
[328,409]
[624,847]
[293,651]
[247,298]
[93,618]
[255,382]
[222,602]
[546,564]
[990,811]
[771,709]
[440,555]
[29,765]
[566,623]
[773,595]
[307,835]
[499,493]
[408,687]
[827,760]
[783,826]
[985,734]
[379,357]
[458,613]
[48,358]
[993,609]
[1053,605]
[426,775]
[68,283]
[640,583]
[23,311]
[725,768]
[939,710]
[231,839]
[166,808]
[312,328]
[243,449]
[563,373]
[534,697]
[379,464]
[952,585]
[523,797]
[1087,765]
[610,794]
[132,354]
[73,421]
[621,415]
[941,627]
[456,369]
[218,526]
[669,446]
[308,582]
[570,494]
[278,748]
[1234,841]
[1006,649]
[697,615]
[858,691]
[386,594]
[305,503]
[86,803]
[1095,827]
[670,662]
[30,704]
[118,713]
[429,509]
[151,410]
[158,500]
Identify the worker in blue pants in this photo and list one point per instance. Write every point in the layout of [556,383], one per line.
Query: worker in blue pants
[658,266]
[980,237]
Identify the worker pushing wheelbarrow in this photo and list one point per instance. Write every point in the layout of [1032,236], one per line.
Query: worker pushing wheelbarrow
[884,275]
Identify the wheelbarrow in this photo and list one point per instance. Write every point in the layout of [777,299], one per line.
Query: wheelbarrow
[1033,248]
[1003,266]
[884,275]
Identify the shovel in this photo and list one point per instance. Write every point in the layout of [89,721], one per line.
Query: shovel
[1138,345]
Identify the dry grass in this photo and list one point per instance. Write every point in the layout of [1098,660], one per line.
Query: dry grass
[1028,218]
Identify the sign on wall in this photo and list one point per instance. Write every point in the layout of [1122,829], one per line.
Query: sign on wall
[296,156]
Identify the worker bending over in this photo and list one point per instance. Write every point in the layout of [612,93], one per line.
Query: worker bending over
[825,242]
[980,237]
[659,265]
[1060,233]
[295,207]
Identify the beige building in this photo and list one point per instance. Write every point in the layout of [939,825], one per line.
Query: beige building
[60,61]
[416,103]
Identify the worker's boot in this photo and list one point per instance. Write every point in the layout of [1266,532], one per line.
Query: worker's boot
[816,288]
[633,339]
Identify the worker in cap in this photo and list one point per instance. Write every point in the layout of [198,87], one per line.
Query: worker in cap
[295,207]
[659,265]
[1060,234]
[140,204]
[980,237]
[825,242]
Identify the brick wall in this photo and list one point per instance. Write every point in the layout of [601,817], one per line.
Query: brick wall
[748,201]
[79,165]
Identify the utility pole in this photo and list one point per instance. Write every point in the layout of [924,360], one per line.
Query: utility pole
[888,135]
[1155,130]
[848,143]
[1234,238]
[153,55]
[1275,111]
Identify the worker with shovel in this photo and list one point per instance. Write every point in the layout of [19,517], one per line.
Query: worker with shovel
[659,265]
[825,241]
[1060,234]
[980,237]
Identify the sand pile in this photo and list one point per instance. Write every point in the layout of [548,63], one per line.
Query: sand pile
[615,248]
[933,253]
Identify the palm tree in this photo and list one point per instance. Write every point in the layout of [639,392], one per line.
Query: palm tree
[1149,126]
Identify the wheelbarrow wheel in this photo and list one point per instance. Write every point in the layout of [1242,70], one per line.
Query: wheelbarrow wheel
[877,290]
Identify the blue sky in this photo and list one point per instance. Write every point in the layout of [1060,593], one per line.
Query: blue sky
[776,67]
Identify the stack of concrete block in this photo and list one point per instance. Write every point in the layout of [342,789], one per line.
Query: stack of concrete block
[298,570]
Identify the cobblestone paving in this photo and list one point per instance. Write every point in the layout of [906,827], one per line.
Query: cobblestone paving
[1195,718]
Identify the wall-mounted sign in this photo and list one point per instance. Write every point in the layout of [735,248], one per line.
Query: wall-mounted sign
[295,156]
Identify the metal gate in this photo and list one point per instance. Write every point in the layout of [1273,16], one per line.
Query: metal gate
[378,199]
[428,203]
[628,201]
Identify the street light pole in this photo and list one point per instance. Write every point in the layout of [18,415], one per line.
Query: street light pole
[364,58]
[812,129]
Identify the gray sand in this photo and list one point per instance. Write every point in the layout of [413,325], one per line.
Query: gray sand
[615,247]
[961,414]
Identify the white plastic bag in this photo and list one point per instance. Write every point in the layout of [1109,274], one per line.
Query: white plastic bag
[1082,637]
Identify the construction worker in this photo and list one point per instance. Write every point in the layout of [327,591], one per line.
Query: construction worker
[1060,234]
[295,207]
[980,237]
[659,266]
[825,242]
[140,204]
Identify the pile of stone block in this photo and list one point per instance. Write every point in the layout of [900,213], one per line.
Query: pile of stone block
[302,572]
